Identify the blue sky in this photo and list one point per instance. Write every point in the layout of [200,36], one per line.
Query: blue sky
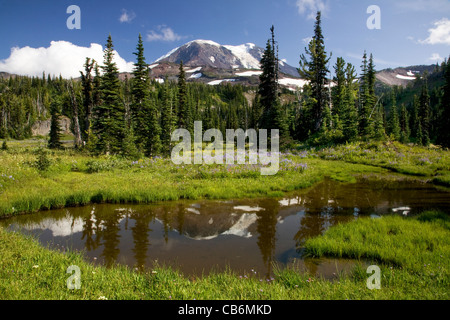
[412,31]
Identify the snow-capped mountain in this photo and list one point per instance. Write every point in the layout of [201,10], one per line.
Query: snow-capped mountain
[207,53]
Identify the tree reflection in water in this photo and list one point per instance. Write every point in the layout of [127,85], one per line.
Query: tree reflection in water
[247,234]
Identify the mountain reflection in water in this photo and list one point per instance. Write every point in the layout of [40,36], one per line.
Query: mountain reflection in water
[244,235]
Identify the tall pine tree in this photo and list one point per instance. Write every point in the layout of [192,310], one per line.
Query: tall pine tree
[144,114]
[350,113]
[87,82]
[315,71]
[273,116]
[167,119]
[394,124]
[367,97]
[55,130]
[444,125]
[424,114]
[184,112]
[405,132]
[109,123]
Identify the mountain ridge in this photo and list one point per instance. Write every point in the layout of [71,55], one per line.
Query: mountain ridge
[207,53]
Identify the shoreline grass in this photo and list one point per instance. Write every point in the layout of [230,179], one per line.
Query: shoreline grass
[31,272]
[73,179]
[68,178]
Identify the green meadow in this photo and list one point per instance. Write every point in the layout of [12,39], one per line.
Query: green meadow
[412,252]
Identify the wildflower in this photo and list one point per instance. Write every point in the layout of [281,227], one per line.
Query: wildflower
[35,266]
[102,298]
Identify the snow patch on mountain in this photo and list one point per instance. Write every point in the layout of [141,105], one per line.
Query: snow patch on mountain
[196,76]
[217,82]
[167,55]
[292,82]
[242,53]
[249,73]
[200,41]
[193,70]
[399,76]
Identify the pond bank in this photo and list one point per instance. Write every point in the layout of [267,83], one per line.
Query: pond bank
[29,271]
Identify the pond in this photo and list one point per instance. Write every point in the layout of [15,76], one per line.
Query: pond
[244,235]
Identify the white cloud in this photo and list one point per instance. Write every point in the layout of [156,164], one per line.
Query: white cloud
[61,58]
[440,34]
[127,16]
[310,7]
[164,33]
[435,57]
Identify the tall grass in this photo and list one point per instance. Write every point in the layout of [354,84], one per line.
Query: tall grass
[72,179]
[428,162]
[29,271]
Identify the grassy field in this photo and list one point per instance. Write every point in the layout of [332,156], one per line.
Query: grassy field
[432,163]
[414,263]
[33,179]
[413,254]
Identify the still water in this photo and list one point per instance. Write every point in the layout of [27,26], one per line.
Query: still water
[244,235]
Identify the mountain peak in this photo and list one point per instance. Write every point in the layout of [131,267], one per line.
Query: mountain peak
[201,41]
[208,53]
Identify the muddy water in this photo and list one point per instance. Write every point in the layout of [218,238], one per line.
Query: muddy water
[244,235]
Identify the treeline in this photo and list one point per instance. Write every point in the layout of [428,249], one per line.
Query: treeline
[350,107]
[135,116]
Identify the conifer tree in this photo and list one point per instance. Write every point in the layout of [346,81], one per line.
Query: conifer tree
[350,113]
[394,124]
[87,82]
[55,130]
[338,91]
[144,114]
[424,114]
[167,118]
[140,96]
[405,132]
[366,97]
[379,130]
[414,121]
[444,125]
[315,71]
[268,88]
[343,100]
[272,116]
[109,124]
[184,112]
